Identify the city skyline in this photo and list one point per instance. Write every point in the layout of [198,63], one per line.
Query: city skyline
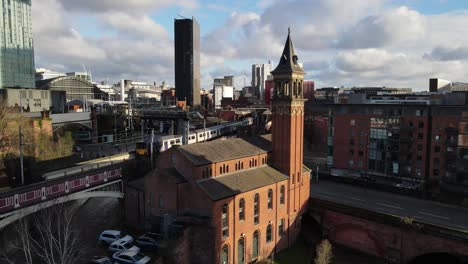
[134,39]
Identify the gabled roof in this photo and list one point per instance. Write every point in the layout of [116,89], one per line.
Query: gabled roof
[289,60]
[231,184]
[222,150]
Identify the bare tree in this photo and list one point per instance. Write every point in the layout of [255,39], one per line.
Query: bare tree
[50,235]
[324,253]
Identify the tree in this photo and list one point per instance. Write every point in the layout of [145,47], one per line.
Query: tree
[324,252]
[50,235]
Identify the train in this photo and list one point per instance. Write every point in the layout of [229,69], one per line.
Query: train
[88,165]
[163,143]
[52,189]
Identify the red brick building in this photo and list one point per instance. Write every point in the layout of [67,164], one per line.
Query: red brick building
[417,143]
[244,197]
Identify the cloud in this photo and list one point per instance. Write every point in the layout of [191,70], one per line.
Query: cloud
[446,53]
[103,6]
[401,24]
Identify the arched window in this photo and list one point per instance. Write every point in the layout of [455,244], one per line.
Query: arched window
[298,177]
[255,244]
[282,194]
[250,163]
[255,163]
[242,165]
[241,251]
[225,255]
[236,166]
[241,209]
[268,233]
[281,227]
[256,208]
[270,199]
[293,178]
[225,221]
[220,169]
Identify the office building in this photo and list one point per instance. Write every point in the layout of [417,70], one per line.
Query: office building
[222,88]
[187,61]
[260,74]
[16,44]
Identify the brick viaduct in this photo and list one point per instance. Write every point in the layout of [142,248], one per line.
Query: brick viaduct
[390,237]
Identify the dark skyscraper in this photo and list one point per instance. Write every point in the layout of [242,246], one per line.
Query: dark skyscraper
[187,60]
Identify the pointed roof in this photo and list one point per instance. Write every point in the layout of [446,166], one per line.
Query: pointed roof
[289,60]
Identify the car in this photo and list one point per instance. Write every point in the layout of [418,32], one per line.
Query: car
[77,149]
[109,236]
[123,244]
[408,185]
[148,243]
[130,257]
[101,260]
[154,236]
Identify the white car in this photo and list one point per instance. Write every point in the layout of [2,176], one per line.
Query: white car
[123,244]
[130,257]
[110,236]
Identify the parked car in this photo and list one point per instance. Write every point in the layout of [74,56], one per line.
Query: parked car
[408,185]
[109,236]
[148,243]
[123,244]
[101,260]
[154,236]
[130,257]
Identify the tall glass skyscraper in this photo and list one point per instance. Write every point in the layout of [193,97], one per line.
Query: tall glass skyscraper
[16,43]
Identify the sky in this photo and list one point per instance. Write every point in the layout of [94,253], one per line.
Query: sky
[392,43]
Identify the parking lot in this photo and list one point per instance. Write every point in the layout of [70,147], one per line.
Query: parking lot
[95,216]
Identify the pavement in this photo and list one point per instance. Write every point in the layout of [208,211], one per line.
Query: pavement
[426,211]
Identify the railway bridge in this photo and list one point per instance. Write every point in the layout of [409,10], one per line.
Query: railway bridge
[396,228]
[23,201]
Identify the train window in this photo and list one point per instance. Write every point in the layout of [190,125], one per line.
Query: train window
[172,142]
[177,140]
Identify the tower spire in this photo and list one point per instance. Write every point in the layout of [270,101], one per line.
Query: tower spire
[289,61]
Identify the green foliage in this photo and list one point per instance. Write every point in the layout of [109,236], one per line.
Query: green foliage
[52,149]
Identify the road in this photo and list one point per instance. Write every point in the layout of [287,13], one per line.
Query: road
[425,211]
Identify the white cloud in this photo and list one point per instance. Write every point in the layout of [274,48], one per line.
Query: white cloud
[103,6]
[392,27]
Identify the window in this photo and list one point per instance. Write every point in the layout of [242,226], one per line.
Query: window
[419,158]
[351,142]
[225,255]
[282,194]
[242,165]
[203,173]
[256,208]
[420,135]
[361,153]
[241,209]
[224,221]
[161,201]
[351,152]
[236,166]
[293,178]
[281,227]
[241,251]
[250,163]
[437,149]
[298,177]
[270,199]
[437,137]
[421,125]
[268,233]
[220,169]
[352,122]
[419,147]
[255,245]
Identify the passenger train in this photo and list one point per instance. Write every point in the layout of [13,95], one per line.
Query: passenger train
[164,143]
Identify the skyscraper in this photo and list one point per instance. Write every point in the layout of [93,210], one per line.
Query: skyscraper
[187,61]
[16,44]
[260,74]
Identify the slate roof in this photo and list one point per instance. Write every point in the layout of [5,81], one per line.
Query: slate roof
[239,182]
[289,60]
[222,150]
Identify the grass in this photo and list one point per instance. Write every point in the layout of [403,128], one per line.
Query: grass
[297,254]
